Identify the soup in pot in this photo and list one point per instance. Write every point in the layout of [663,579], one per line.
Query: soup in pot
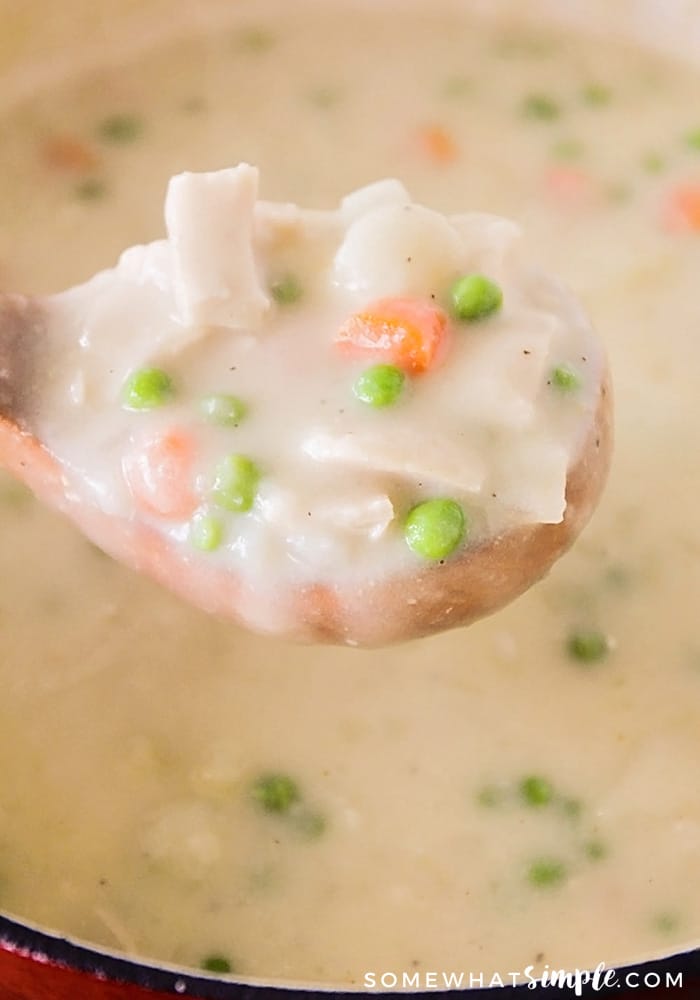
[517,795]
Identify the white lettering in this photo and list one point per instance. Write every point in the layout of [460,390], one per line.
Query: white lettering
[652,980]
[676,980]
[580,980]
[603,978]
[557,978]
[574,980]
[453,980]
[531,980]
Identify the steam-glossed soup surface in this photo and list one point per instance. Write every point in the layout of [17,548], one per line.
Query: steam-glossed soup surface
[521,793]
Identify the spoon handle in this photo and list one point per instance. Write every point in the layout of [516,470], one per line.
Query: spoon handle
[21,333]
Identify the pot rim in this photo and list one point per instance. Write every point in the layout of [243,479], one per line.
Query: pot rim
[44,946]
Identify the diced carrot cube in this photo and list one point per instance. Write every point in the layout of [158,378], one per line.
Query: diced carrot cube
[569,184]
[158,472]
[682,209]
[406,332]
[438,144]
[65,152]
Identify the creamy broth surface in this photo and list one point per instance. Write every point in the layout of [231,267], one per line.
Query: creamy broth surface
[521,793]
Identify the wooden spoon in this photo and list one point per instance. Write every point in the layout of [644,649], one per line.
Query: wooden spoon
[475,583]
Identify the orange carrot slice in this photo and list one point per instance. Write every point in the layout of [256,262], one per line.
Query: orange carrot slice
[438,144]
[404,332]
[569,184]
[682,209]
[64,152]
[158,472]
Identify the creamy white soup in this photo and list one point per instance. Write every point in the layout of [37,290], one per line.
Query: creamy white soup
[307,408]
[521,793]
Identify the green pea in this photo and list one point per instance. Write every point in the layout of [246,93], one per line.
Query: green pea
[619,192]
[435,528]
[572,808]
[666,922]
[146,389]
[545,873]
[619,577]
[120,128]
[536,791]
[276,793]
[490,796]
[286,291]
[457,86]
[310,824]
[565,378]
[692,140]
[588,646]
[653,163]
[325,97]
[568,149]
[595,850]
[597,95]
[216,963]
[540,107]
[475,297]
[91,189]
[255,39]
[222,409]
[236,483]
[380,385]
[206,532]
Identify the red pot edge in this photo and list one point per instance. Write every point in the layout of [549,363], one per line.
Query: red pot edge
[36,964]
